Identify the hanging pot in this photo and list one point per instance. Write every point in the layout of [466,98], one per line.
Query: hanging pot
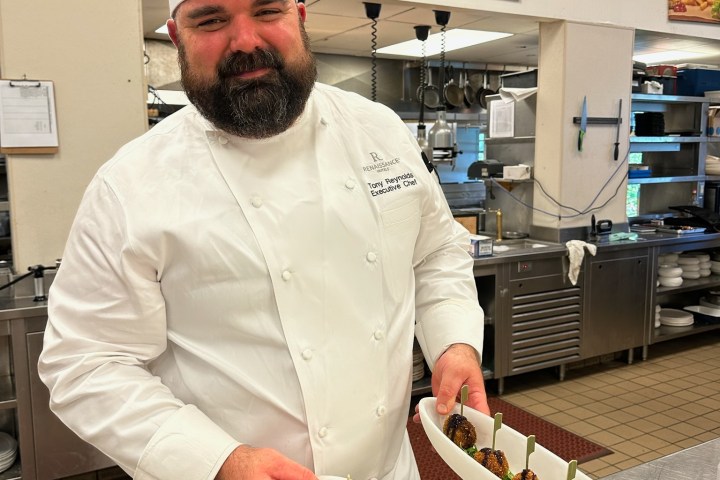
[483,92]
[452,93]
[429,94]
[469,93]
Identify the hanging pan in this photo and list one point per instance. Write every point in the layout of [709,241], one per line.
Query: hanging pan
[468,92]
[452,93]
[429,92]
[483,92]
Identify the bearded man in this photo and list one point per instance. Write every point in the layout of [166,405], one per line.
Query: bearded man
[242,285]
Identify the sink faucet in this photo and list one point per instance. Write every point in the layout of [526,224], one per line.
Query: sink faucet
[498,225]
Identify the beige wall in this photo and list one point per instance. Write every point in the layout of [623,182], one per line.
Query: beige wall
[92,51]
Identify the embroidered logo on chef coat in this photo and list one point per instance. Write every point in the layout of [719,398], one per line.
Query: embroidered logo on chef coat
[389,182]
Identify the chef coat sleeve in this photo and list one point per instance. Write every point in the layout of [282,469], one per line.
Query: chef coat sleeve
[106,322]
[447,308]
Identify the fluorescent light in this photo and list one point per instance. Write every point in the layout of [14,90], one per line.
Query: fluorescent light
[162,29]
[454,40]
[668,56]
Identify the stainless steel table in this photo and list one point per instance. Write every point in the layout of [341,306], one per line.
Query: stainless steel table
[695,463]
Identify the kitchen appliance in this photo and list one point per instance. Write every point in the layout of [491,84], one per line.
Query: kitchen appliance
[485,169]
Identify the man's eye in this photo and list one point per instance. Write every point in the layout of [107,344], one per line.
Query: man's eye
[263,13]
[210,23]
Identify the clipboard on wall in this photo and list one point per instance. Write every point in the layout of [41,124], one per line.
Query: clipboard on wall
[28,122]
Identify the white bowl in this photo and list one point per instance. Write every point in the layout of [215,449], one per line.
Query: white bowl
[543,462]
[670,272]
[670,282]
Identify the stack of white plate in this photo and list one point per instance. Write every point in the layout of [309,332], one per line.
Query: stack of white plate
[657,315]
[8,451]
[715,267]
[669,273]
[675,318]
[418,363]
[695,265]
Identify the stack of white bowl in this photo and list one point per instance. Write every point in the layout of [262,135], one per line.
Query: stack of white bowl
[695,265]
[715,263]
[418,363]
[669,272]
[657,316]
[8,451]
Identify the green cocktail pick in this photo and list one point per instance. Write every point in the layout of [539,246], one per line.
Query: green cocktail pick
[463,397]
[530,449]
[572,469]
[496,427]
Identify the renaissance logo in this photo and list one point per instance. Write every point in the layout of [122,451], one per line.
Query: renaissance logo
[380,164]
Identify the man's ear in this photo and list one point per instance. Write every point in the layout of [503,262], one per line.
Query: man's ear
[302,11]
[172,31]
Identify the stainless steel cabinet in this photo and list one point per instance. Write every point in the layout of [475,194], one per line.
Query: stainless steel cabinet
[616,310]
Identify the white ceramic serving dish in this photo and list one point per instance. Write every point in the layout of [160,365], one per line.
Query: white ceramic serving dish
[543,462]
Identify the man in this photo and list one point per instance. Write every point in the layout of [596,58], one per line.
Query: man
[242,284]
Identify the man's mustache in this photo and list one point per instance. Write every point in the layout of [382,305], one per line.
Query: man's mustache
[241,62]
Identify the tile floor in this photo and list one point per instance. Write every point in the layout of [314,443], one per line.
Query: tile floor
[642,411]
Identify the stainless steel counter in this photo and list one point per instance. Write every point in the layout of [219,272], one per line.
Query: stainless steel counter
[695,463]
[23,307]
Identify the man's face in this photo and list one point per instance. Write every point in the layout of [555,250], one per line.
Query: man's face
[245,64]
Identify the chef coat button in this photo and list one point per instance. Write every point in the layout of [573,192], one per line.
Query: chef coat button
[350,184]
[256,202]
[307,354]
[286,275]
[223,140]
[379,335]
[371,257]
[322,433]
[381,410]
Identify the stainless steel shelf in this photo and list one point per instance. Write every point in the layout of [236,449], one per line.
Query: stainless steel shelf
[670,139]
[691,285]
[689,178]
[649,97]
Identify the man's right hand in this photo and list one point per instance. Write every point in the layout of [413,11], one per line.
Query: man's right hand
[248,463]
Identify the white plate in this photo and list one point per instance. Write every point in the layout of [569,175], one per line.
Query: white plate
[544,463]
[703,309]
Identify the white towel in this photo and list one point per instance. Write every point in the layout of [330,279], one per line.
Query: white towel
[576,252]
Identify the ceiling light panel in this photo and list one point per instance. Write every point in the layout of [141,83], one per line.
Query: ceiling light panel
[454,40]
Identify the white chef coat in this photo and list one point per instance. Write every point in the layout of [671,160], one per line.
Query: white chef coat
[217,290]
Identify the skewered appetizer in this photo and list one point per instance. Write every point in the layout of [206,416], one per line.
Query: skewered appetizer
[459,429]
[493,460]
[526,474]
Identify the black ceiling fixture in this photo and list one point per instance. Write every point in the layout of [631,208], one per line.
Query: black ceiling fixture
[442,18]
[372,11]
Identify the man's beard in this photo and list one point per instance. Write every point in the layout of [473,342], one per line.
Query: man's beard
[254,108]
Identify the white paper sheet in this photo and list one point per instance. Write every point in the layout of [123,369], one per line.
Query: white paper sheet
[27,114]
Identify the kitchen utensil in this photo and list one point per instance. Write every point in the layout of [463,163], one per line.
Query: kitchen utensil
[583,124]
[546,464]
[496,427]
[616,152]
[463,398]
[452,93]
[530,449]
[514,235]
[431,94]
[572,469]
[469,93]
[483,92]
[604,226]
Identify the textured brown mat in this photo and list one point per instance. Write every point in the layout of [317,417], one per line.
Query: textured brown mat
[562,443]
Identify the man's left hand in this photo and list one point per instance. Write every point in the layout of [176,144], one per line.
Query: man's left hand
[456,367]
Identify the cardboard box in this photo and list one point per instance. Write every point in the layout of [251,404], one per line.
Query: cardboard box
[652,87]
[517,172]
[661,70]
[480,246]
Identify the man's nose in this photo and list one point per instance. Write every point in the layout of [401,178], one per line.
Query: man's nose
[245,35]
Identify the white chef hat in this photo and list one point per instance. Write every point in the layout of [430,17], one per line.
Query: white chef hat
[174,4]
